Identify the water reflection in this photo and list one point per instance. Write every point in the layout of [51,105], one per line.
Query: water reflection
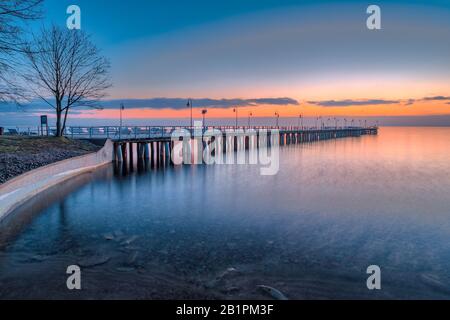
[335,207]
[14,224]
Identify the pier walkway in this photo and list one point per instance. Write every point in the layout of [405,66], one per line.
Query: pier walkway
[157,142]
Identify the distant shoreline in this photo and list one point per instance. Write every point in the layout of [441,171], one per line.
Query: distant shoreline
[32,121]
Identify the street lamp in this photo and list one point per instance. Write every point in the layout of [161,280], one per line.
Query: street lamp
[122,107]
[300,121]
[249,115]
[204,111]
[277,116]
[235,110]
[189,104]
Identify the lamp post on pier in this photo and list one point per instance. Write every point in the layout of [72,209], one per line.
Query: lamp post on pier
[235,110]
[122,107]
[189,105]
[250,114]
[204,111]
[300,121]
[277,116]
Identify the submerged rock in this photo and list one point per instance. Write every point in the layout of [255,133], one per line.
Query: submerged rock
[40,257]
[274,293]
[131,248]
[33,258]
[37,258]
[108,236]
[125,269]
[132,257]
[129,240]
[223,279]
[118,233]
[93,261]
[228,273]
[434,282]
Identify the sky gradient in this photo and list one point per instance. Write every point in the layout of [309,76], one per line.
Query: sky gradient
[318,54]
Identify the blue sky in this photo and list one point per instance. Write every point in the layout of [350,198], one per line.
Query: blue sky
[116,21]
[225,48]
[318,53]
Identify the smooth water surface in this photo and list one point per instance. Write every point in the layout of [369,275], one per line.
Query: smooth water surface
[311,231]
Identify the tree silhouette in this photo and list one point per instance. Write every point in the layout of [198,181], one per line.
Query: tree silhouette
[13,14]
[66,70]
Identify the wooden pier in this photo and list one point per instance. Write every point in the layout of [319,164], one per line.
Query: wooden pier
[156,148]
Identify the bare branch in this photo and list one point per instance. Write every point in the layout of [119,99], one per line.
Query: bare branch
[65,65]
[13,14]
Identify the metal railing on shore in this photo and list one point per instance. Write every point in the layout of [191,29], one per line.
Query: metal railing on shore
[141,132]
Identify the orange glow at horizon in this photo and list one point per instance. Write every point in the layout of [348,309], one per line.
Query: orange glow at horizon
[322,87]
[419,108]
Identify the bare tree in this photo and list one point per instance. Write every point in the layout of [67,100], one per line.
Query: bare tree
[66,70]
[13,14]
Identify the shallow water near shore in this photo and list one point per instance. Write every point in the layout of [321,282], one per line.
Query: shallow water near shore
[218,232]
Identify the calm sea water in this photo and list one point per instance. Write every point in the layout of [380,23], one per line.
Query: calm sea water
[311,231]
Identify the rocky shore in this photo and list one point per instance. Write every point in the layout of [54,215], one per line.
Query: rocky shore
[21,154]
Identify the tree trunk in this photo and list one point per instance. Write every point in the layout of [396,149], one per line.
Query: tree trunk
[58,118]
[58,123]
[65,120]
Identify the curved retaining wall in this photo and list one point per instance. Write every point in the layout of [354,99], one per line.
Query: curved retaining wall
[15,192]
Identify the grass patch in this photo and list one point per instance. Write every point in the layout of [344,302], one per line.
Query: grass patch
[33,145]
[19,154]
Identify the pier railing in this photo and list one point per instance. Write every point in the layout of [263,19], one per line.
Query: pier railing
[142,132]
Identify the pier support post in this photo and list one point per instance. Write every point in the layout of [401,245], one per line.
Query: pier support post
[146,151]
[118,152]
[124,152]
[130,147]
[158,152]
[167,150]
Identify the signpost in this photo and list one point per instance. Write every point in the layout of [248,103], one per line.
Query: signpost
[44,122]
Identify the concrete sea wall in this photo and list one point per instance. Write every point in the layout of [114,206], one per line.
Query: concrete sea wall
[17,191]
